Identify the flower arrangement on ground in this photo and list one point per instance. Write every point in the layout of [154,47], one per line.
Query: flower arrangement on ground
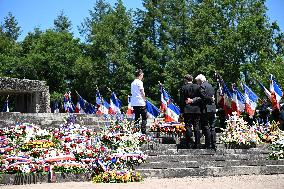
[169,128]
[238,132]
[277,147]
[71,148]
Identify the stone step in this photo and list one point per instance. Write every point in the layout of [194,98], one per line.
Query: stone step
[212,171]
[203,164]
[155,145]
[253,151]
[196,157]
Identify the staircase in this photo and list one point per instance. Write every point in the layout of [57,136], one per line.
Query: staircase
[172,161]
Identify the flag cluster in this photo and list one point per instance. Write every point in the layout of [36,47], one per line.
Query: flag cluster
[235,101]
[102,107]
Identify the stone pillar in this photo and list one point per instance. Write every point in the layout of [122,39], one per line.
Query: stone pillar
[45,103]
[33,103]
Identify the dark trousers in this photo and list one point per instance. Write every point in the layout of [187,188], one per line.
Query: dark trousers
[208,127]
[140,111]
[192,120]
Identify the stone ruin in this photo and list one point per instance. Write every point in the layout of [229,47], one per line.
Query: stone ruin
[31,96]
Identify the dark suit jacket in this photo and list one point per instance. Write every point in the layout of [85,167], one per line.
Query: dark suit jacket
[189,90]
[206,99]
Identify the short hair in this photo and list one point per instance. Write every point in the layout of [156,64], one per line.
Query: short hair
[188,77]
[138,73]
[201,78]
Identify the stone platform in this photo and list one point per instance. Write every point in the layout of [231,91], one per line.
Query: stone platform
[172,161]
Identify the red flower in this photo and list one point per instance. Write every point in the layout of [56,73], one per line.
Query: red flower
[102,149]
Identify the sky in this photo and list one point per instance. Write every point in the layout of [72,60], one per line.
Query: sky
[41,13]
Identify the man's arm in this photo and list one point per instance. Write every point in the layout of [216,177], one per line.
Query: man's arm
[143,93]
[141,88]
[203,96]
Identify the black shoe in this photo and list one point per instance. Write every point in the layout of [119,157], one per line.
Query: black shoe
[208,146]
[197,146]
[214,147]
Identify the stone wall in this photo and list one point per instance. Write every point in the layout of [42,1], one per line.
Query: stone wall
[32,96]
[52,120]
[47,120]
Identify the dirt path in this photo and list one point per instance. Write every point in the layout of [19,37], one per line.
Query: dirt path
[238,182]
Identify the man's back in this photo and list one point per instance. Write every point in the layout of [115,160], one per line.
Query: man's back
[190,90]
[136,95]
[208,92]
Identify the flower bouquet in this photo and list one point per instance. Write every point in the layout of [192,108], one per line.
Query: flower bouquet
[238,134]
[270,133]
[277,147]
[169,128]
[121,176]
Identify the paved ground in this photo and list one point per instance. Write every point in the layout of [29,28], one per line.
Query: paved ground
[238,182]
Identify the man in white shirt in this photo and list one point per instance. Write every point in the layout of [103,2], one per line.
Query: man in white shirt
[138,100]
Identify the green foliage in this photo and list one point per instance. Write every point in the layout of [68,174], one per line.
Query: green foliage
[10,27]
[62,23]
[50,56]
[110,49]
[100,9]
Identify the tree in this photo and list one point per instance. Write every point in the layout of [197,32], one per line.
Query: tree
[162,44]
[10,27]
[50,56]
[100,9]
[10,56]
[62,23]
[147,52]
[110,51]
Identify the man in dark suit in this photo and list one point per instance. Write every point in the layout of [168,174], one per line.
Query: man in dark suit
[191,112]
[208,109]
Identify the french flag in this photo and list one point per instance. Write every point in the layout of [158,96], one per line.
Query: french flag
[172,113]
[276,93]
[220,95]
[165,99]
[6,106]
[227,100]
[80,107]
[152,111]
[68,104]
[266,91]
[90,108]
[98,98]
[102,105]
[104,108]
[129,112]
[115,104]
[238,101]
[250,101]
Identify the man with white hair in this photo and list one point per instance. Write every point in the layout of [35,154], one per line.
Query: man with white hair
[208,108]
